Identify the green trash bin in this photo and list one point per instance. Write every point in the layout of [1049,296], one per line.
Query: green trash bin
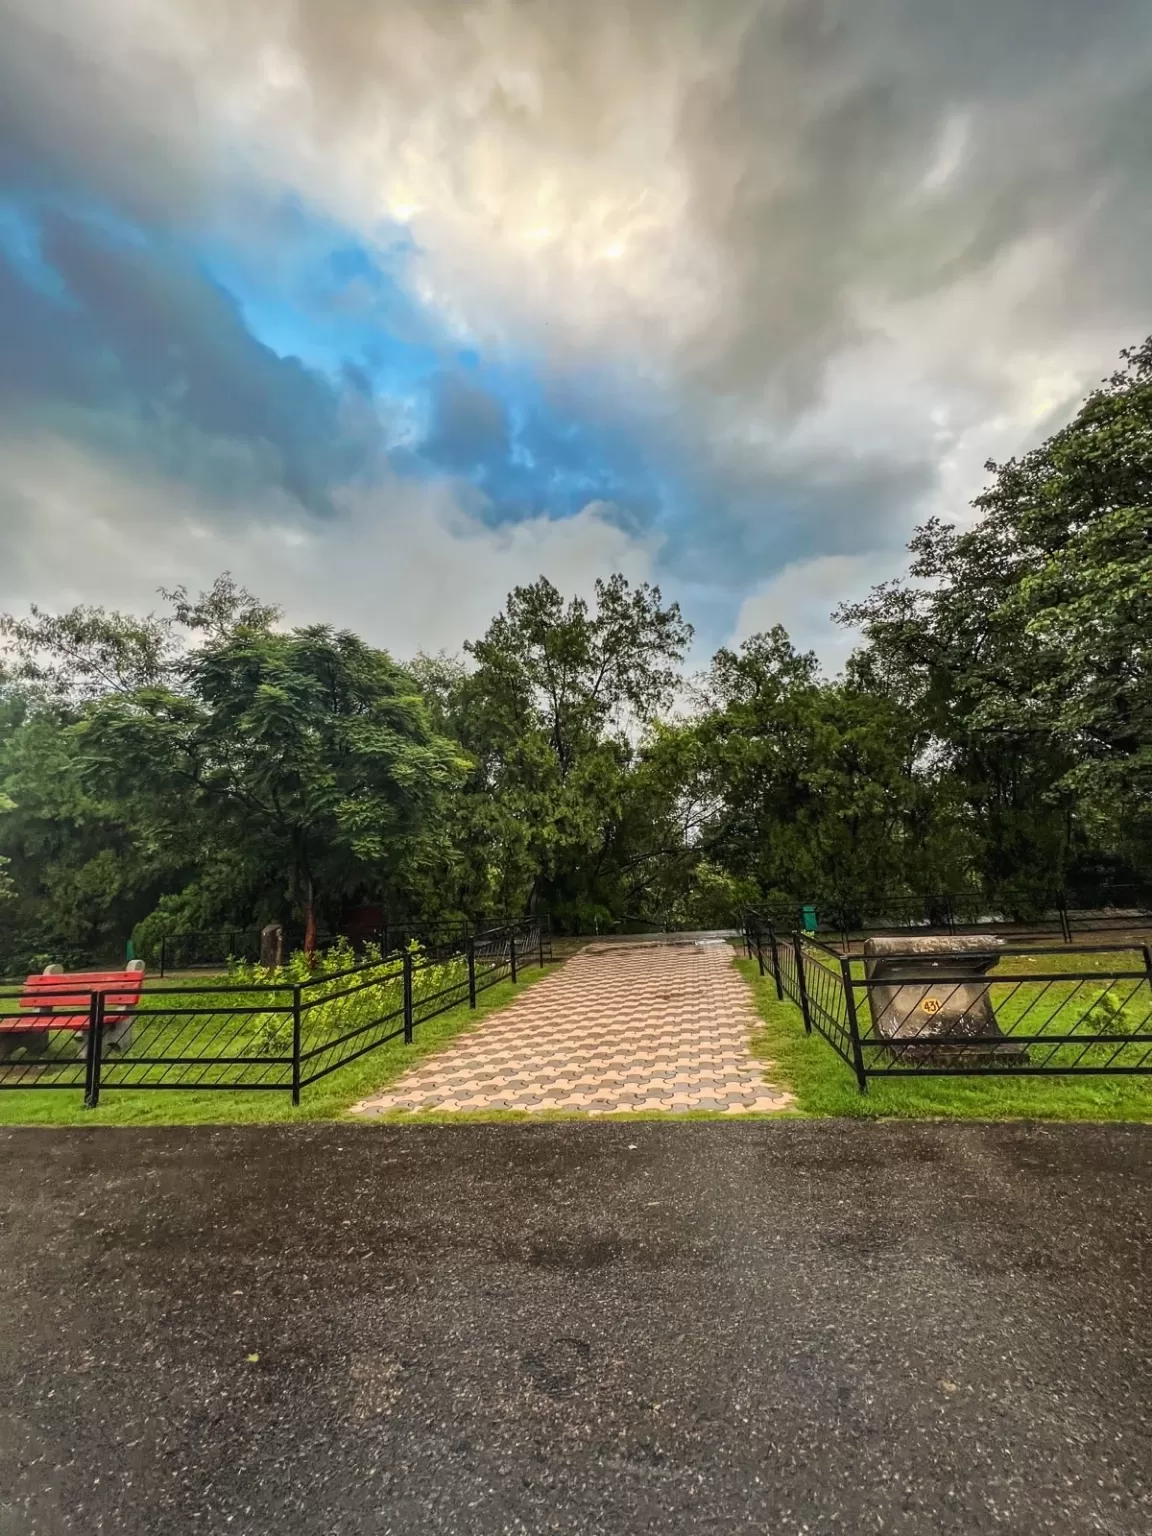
[808,919]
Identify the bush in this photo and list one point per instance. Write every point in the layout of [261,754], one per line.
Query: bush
[344,992]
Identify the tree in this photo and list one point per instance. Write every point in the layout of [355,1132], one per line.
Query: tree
[90,652]
[310,753]
[825,790]
[551,714]
[1027,646]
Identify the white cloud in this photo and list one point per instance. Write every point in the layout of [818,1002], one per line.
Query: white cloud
[826,235]
[803,596]
[409,566]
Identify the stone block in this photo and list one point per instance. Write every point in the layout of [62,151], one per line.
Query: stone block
[948,997]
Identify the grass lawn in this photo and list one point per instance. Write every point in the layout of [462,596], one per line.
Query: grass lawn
[825,1085]
[329,1099]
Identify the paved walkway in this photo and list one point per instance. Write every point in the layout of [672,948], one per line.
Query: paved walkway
[632,1027]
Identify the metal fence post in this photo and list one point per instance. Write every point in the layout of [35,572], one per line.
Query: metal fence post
[92,1052]
[1065,925]
[512,953]
[853,1023]
[296,1033]
[407,997]
[471,972]
[760,949]
[779,980]
[163,955]
[801,981]
[1147,948]
[540,942]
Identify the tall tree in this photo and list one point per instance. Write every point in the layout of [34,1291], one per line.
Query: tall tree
[825,789]
[551,714]
[1024,641]
[309,752]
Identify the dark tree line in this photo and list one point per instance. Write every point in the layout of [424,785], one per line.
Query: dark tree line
[992,734]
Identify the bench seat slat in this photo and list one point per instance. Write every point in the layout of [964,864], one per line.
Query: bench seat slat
[31,1025]
[51,995]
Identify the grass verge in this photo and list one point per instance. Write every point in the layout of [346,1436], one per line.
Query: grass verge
[328,1099]
[809,1067]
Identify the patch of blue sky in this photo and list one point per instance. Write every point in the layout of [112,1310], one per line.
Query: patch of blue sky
[20,243]
[345,306]
[331,300]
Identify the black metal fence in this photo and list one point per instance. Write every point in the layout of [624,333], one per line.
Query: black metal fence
[202,951]
[269,1036]
[215,949]
[1041,1010]
[1064,916]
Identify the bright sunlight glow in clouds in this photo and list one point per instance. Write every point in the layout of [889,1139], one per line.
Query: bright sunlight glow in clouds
[387,306]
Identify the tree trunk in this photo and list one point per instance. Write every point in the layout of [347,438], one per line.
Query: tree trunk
[309,919]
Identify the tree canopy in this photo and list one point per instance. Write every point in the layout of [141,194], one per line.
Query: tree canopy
[208,766]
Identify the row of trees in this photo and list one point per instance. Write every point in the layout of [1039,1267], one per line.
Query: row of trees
[209,768]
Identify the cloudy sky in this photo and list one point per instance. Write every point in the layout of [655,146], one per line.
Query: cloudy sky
[387,305]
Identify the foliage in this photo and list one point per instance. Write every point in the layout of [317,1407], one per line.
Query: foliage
[309,752]
[991,738]
[827,790]
[1026,648]
[550,714]
[344,990]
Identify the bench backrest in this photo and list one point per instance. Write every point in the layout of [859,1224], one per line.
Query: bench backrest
[121,989]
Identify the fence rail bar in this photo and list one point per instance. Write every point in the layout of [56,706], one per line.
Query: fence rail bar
[853,1025]
[279,1026]
[1034,1041]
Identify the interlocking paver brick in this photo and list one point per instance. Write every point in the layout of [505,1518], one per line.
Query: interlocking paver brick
[637,1027]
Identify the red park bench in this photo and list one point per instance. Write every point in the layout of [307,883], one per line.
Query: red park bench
[56,1001]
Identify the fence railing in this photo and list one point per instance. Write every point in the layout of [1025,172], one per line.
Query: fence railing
[268,1036]
[214,949]
[1059,915]
[1040,1010]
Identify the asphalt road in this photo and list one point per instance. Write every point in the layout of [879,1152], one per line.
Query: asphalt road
[786,1328]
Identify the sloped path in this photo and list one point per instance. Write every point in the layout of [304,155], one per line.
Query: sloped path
[637,1027]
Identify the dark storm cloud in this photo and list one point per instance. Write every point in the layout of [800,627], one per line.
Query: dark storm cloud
[841,170]
[138,330]
[80,111]
[809,147]
[469,425]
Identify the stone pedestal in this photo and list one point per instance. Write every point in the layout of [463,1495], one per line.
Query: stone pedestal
[955,1003]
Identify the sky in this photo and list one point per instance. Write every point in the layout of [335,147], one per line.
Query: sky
[387,307]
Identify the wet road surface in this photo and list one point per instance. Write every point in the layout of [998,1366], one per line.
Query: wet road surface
[579,1328]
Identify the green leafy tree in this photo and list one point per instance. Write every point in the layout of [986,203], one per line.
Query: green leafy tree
[824,789]
[1024,643]
[551,712]
[310,753]
[85,863]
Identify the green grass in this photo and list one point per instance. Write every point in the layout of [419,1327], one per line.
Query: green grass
[825,1085]
[806,1065]
[329,1099]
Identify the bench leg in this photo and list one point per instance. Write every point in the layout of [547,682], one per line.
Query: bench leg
[118,1036]
[34,1042]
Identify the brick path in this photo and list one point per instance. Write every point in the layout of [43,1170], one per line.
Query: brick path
[616,1028]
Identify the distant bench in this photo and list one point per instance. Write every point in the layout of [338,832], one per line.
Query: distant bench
[57,1001]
